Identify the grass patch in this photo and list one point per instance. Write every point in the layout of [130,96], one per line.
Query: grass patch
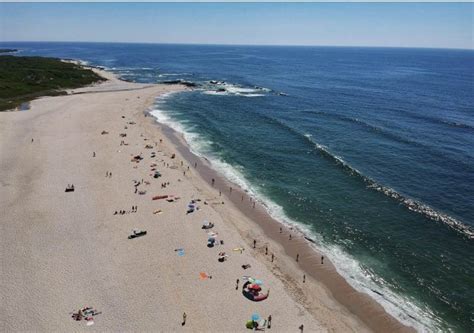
[23,79]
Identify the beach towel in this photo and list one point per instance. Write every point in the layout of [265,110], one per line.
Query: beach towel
[203,276]
[158,197]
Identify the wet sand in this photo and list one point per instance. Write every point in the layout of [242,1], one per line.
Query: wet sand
[64,251]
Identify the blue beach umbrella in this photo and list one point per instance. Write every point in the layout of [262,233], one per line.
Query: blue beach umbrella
[255,317]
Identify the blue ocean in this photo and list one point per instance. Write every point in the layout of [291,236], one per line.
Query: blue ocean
[368,150]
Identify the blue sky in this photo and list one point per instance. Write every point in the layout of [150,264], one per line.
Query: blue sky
[447,25]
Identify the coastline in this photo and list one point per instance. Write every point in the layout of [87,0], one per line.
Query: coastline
[268,235]
[324,288]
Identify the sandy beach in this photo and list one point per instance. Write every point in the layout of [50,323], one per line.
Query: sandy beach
[63,251]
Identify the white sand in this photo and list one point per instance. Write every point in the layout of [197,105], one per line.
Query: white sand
[63,251]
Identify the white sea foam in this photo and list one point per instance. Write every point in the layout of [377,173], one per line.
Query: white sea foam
[173,74]
[401,307]
[253,95]
[216,93]
[229,89]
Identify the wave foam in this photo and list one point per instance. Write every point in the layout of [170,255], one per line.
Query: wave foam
[221,88]
[402,308]
[173,74]
[409,203]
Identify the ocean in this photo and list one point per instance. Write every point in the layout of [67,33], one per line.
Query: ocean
[370,151]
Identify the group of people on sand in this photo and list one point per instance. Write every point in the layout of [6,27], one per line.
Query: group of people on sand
[123,212]
[193,206]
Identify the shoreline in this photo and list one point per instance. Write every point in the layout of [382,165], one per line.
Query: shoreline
[360,304]
[321,296]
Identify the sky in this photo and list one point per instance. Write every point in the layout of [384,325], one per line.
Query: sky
[439,25]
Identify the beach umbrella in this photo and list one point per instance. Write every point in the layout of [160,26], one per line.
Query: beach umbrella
[255,317]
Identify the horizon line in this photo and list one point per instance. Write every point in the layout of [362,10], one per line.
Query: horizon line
[261,45]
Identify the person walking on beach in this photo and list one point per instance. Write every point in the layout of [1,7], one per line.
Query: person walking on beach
[322,260]
[304,278]
[273,257]
[290,237]
[301,328]
[93,154]
[237,284]
[266,250]
[297,257]
[32,140]
[212,181]
[254,243]
[269,322]
[184,319]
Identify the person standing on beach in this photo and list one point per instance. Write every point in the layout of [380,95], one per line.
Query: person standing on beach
[304,278]
[322,260]
[93,154]
[273,257]
[212,181]
[269,322]
[237,284]
[254,243]
[184,319]
[297,257]
[301,328]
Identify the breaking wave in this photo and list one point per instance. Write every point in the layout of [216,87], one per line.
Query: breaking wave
[406,310]
[409,203]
